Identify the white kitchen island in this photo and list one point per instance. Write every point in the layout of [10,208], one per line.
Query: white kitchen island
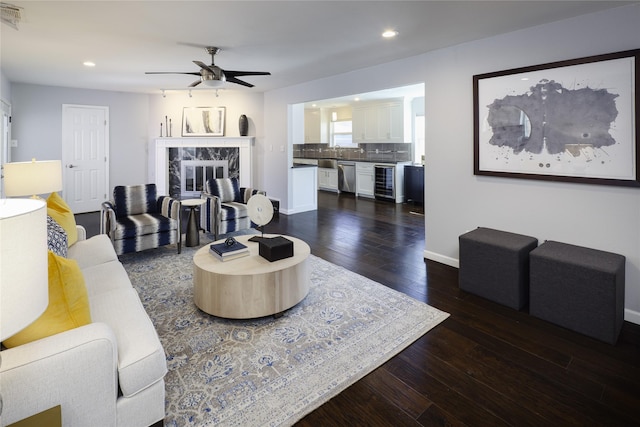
[303,195]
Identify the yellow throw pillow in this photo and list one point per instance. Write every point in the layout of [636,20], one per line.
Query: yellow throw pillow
[68,303]
[58,209]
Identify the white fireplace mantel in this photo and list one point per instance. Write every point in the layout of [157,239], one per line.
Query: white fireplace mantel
[161,160]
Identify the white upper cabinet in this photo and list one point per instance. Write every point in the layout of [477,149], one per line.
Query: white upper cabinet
[315,126]
[396,126]
[312,125]
[358,124]
[379,122]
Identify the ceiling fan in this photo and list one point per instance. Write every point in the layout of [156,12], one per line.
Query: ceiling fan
[212,75]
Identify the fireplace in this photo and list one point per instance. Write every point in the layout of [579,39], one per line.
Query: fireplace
[194,174]
[189,167]
[205,158]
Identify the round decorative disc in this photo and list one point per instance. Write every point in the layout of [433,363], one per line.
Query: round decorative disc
[260,209]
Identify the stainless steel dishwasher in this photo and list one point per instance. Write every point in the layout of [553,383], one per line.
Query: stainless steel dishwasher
[347,177]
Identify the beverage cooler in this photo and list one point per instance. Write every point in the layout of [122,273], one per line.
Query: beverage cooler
[385,186]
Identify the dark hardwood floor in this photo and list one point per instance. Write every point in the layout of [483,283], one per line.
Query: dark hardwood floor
[486,364]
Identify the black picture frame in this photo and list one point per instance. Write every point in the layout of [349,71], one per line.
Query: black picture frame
[572,121]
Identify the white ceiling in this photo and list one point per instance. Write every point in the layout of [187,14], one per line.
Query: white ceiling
[296,41]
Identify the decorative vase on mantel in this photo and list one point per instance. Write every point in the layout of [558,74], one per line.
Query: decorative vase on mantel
[243,124]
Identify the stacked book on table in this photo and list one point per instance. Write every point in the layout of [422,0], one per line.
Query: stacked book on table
[225,252]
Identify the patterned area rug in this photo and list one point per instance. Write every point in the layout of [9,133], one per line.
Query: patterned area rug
[271,371]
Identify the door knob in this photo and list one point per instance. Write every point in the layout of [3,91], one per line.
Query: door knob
[71,166]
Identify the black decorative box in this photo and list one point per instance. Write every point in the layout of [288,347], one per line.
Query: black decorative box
[275,248]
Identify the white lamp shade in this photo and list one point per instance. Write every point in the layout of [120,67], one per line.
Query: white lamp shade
[31,178]
[24,287]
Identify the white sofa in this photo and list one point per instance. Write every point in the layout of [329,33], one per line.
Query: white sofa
[108,373]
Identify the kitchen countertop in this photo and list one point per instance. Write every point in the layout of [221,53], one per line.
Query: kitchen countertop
[341,159]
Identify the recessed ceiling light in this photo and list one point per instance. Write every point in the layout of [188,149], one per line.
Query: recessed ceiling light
[356,99]
[89,64]
[389,34]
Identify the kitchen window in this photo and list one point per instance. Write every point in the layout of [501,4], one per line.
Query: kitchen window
[341,134]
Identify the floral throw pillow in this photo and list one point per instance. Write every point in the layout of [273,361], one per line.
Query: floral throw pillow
[56,238]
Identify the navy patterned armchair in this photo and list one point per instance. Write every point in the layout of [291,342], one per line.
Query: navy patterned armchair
[137,219]
[225,209]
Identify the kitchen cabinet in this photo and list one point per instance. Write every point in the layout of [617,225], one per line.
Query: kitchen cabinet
[414,183]
[379,122]
[312,126]
[364,122]
[364,179]
[314,132]
[392,122]
[328,179]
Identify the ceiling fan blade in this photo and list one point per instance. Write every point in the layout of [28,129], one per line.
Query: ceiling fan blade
[213,75]
[203,66]
[238,81]
[232,73]
[171,72]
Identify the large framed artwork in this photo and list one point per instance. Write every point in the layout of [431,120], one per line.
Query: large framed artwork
[203,121]
[571,121]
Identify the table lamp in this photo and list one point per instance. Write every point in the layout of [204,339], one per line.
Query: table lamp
[24,288]
[32,178]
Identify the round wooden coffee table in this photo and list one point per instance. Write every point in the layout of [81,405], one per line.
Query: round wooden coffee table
[250,286]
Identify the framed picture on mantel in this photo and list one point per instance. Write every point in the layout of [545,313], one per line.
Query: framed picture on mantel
[569,121]
[203,121]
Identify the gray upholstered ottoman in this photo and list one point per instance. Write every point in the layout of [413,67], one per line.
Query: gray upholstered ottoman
[579,288]
[494,264]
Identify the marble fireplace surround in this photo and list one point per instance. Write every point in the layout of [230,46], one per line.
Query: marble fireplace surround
[169,152]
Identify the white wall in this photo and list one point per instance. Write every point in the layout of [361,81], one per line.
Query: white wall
[37,125]
[236,103]
[5,88]
[601,217]
[134,123]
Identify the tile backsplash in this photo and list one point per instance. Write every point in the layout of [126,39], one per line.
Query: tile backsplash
[375,152]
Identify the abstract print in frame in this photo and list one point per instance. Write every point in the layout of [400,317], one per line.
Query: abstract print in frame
[203,121]
[570,121]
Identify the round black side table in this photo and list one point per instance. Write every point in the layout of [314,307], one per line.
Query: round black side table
[193,230]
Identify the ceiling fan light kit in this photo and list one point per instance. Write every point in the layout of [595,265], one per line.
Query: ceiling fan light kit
[213,82]
[214,76]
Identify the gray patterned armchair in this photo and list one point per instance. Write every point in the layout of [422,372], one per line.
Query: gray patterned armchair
[225,209]
[137,219]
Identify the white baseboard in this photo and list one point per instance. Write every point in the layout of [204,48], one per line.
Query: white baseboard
[298,209]
[632,316]
[442,259]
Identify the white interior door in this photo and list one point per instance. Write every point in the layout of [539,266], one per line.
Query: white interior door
[85,160]
[5,137]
